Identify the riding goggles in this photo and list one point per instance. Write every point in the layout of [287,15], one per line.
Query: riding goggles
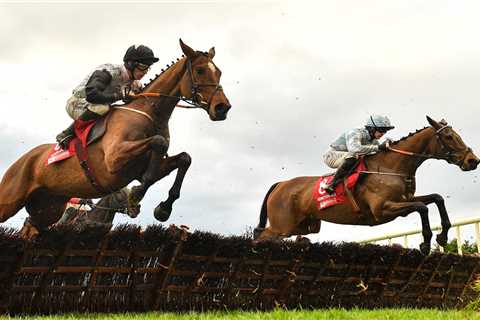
[142,66]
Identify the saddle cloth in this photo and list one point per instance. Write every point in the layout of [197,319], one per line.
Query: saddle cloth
[85,131]
[325,200]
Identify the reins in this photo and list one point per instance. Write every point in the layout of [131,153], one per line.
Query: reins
[148,95]
[448,158]
[449,153]
[156,95]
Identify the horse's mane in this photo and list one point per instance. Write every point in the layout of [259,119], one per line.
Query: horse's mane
[168,66]
[409,135]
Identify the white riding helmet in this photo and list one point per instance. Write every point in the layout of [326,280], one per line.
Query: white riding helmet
[379,122]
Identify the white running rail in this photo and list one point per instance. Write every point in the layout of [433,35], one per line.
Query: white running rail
[456,225]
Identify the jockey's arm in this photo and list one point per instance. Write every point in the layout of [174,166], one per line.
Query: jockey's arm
[354,144]
[96,85]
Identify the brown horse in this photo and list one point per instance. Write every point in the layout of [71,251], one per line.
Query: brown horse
[134,147]
[386,191]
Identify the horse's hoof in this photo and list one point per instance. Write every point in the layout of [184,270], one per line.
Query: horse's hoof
[161,214]
[441,240]
[133,212]
[302,240]
[134,197]
[29,232]
[425,248]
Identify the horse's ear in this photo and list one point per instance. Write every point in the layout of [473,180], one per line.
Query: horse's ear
[433,123]
[211,52]
[443,122]
[189,52]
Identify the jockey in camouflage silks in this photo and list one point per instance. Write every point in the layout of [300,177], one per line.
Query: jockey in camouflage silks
[106,84]
[345,150]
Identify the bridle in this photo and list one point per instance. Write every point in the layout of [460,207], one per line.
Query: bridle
[193,102]
[195,87]
[449,153]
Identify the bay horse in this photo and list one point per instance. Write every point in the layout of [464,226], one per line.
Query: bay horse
[134,147]
[384,192]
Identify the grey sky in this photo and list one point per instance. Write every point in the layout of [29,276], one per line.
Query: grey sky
[297,74]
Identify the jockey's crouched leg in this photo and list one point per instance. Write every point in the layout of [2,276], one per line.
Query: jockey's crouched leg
[91,112]
[341,174]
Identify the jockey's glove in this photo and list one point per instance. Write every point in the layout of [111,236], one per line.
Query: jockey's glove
[383,146]
[127,96]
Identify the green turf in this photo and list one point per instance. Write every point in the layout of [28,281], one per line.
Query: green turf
[381,314]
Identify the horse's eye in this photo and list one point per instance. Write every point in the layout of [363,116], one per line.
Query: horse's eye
[449,137]
[200,71]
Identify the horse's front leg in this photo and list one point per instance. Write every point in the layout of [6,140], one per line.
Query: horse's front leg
[392,210]
[158,148]
[181,161]
[442,237]
[158,169]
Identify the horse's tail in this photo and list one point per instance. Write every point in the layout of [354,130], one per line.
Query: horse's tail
[263,214]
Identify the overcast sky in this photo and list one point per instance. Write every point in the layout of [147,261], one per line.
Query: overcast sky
[297,74]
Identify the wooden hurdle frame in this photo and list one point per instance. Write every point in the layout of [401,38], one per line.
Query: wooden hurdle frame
[456,225]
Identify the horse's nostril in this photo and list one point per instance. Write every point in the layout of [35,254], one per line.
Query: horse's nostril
[474,163]
[222,108]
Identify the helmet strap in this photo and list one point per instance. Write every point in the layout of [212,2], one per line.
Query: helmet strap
[130,65]
[371,132]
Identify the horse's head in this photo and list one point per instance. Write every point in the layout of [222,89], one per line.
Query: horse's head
[448,145]
[201,83]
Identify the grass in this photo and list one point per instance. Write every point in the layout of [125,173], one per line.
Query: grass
[330,314]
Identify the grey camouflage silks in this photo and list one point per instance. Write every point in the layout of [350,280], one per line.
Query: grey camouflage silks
[120,80]
[356,141]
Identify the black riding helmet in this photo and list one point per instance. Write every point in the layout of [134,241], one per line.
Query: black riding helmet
[138,54]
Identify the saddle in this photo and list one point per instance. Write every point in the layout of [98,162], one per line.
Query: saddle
[343,190]
[87,132]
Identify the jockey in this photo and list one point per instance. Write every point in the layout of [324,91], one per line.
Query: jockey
[105,85]
[344,152]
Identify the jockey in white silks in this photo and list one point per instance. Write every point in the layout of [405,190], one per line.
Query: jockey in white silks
[346,149]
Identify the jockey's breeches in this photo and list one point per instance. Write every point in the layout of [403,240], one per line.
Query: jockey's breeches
[76,106]
[334,158]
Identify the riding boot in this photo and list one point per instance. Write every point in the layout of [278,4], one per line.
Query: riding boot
[64,137]
[68,134]
[341,173]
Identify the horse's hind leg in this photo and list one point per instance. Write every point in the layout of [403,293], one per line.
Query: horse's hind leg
[44,210]
[8,210]
[391,210]
[15,187]
[270,235]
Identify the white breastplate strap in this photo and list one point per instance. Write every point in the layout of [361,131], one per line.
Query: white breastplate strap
[135,110]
